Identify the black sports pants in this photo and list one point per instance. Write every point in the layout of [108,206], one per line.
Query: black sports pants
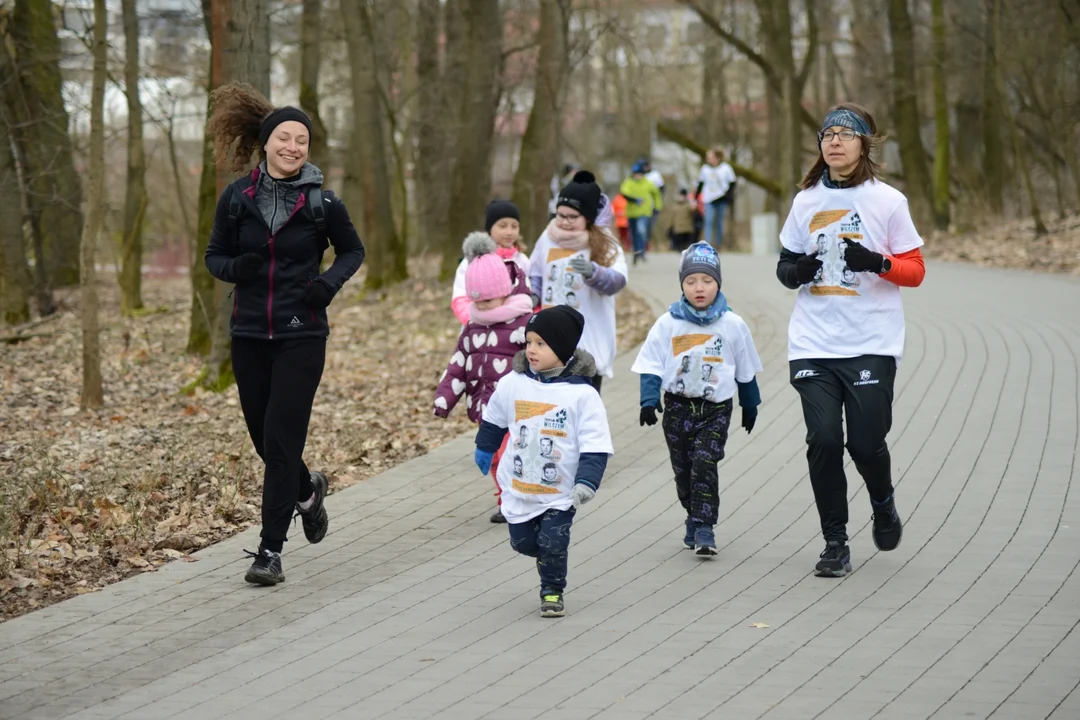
[862,389]
[277,380]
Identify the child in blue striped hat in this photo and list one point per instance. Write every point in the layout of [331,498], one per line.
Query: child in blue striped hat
[699,354]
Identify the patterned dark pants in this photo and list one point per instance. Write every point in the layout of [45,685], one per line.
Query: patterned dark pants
[547,538]
[696,431]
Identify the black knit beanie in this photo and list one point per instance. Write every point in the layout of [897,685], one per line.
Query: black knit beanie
[280,115]
[582,194]
[497,210]
[560,327]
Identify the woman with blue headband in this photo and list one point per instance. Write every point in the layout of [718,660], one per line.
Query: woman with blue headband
[849,244]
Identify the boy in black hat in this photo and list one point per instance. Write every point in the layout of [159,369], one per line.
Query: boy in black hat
[702,354]
[551,397]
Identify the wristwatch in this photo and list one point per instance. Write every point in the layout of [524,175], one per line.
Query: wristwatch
[886,265]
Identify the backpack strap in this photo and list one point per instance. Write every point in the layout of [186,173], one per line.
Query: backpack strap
[318,209]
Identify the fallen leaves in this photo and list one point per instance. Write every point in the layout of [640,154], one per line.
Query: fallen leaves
[1014,244]
[87,499]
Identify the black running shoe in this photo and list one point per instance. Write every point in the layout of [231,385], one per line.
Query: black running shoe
[835,560]
[314,518]
[887,526]
[266,570]
[551,604]
[497,517]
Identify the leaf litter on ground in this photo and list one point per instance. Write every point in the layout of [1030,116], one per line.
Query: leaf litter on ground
[87,499]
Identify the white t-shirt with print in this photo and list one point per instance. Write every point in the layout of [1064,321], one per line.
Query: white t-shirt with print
[699,361]
[520,258]
[717,181]
[842,313]
[656,178]
[565,286]
[551,425]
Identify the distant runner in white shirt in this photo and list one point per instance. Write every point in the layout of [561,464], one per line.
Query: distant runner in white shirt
[848,245]
[715,179]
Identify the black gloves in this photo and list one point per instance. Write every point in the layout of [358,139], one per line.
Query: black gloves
[807,268]
[749,417]
[247,267]
[318,294]
[648,415]
[859,258]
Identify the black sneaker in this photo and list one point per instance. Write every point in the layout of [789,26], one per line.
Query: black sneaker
[688,538]
[266,570]
[497,517]
[887,526]
[314,518]
[551,604]
[835,560]
[704,541]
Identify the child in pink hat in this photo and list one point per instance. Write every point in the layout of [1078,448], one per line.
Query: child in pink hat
[499,307]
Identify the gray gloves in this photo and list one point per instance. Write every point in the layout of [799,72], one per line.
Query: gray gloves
[583,266]
[582,494]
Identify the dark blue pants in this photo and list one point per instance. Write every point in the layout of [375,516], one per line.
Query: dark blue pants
[696,431]
[547,538]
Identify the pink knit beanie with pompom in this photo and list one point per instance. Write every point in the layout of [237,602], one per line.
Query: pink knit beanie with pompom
[486,276]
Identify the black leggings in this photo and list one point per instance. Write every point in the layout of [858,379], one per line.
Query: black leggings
[862,389]
[277,380]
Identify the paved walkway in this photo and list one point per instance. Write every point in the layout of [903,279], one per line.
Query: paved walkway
[414,606]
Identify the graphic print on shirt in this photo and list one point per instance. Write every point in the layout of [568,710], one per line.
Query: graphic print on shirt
[829,229]
[700,356]
[541,428]
[562,284]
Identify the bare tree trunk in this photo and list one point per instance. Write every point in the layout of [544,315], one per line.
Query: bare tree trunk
[135,200]
[941,121]
[967,68]
[1010,123]
[95,211]
[993,146]
[14,270]
[203,306]
[475,122]
[907,119]
[369,152]
[55,192]
[430,180]
[539,148]
[246,59]
[310,56]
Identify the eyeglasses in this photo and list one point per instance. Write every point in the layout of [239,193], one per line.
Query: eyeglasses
[566,218]
[845,135]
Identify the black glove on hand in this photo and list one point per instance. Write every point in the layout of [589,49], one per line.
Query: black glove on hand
[247,267]
[648,415]
[859,258]
[318,295]
[806,268]
[749,417]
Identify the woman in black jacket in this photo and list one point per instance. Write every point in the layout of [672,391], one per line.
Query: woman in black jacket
[271,228]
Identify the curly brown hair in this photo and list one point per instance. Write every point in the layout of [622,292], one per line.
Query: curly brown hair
[867,169]
[238,111]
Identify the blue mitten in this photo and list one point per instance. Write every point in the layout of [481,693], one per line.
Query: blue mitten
[483,459]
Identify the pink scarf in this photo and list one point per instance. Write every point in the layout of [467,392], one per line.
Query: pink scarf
[506,253]
[568,239]
[514,307]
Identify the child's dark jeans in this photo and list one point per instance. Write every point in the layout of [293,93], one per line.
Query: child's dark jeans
[696,431]
[547,538]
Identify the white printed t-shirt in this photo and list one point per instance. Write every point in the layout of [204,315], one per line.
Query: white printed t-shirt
[717,181]
[551,425]
[699,361]
[565,286]
[842,313]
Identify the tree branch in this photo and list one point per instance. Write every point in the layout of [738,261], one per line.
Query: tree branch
[670,132]
[813,34]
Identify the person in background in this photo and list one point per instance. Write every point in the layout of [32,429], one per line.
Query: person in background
[503,224]
[622,225]
[657,179]
[716,180]
[683,220]
[642,199]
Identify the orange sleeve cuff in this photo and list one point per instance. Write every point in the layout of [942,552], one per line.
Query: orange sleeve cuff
[907,269]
